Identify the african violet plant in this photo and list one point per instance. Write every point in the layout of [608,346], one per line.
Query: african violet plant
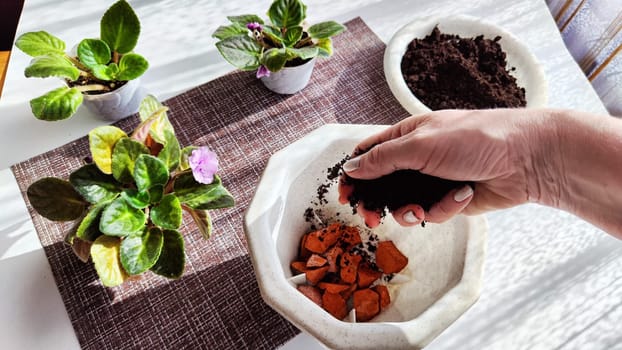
[101,65]
[128,202]
[249,43]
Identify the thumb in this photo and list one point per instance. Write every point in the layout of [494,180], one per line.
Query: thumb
[382,159]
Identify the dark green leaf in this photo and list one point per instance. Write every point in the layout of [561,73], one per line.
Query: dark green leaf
[88,230]
[325,47]
[57,104]
[224,32]
[274,59]
[121,219]
[241,51]
[304,53]
[140,252]
[171,152]
[132,66]
[155,193]
[167,214]
[124,155]
[136,199]
[101,143]
[286,13]
[94,185]
[93,52]
[203,221]
[52,65]
[172,260]
[40,43]
[185,153]
[201,196]
[120,27]
[150,171]
[105,255]
[243,20]
[56,199]
[325,30]
[292,36]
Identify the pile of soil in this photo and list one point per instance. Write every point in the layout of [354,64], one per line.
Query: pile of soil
[446,71]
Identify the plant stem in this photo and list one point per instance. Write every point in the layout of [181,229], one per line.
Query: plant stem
[170,184]
[303,43]
[115,57]
[78,64]
[85,72]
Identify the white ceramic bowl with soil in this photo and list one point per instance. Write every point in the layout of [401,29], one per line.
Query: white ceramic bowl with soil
[442,278]
[528,72]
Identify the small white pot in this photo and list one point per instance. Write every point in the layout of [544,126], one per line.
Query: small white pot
[290,80]
[115,105]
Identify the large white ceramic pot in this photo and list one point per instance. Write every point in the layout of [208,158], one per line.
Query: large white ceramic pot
[115,105]
[290,80]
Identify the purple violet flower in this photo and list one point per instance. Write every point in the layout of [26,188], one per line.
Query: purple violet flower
[254,26]
[204,164]
[263,72]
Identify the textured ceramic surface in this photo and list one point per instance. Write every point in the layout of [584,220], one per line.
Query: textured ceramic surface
[441,281]
[290,80]
[117,104]
[529,74]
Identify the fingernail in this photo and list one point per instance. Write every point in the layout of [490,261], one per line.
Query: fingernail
[464,193]
[410,217]
[352,164]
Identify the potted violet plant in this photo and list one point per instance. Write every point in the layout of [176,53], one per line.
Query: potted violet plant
[103,73]
[127,203]
[283,52]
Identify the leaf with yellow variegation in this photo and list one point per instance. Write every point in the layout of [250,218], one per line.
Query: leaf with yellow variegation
[101,142]
[105,253]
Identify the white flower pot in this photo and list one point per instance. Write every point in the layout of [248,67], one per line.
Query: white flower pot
[118,104]
[290,80]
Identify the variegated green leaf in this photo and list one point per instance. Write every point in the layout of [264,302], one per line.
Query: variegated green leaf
[105,253]
[140,252]
[57,104]
[101,143]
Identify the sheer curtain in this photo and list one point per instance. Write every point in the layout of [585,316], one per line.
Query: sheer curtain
[592,30]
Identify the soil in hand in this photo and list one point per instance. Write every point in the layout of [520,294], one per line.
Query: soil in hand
[399,188]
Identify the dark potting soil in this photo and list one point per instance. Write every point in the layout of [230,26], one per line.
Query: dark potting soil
[109,85]
[399,188]
[387,192]
[446,71]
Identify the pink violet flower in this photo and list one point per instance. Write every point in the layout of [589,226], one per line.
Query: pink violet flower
[204,164]
[263,72]
[254,26]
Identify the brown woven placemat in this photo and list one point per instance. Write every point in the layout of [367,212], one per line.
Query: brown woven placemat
[216,304]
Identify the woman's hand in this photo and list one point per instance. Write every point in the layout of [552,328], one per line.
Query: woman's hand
[493,148]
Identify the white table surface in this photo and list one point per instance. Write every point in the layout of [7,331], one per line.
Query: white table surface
[551,281]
